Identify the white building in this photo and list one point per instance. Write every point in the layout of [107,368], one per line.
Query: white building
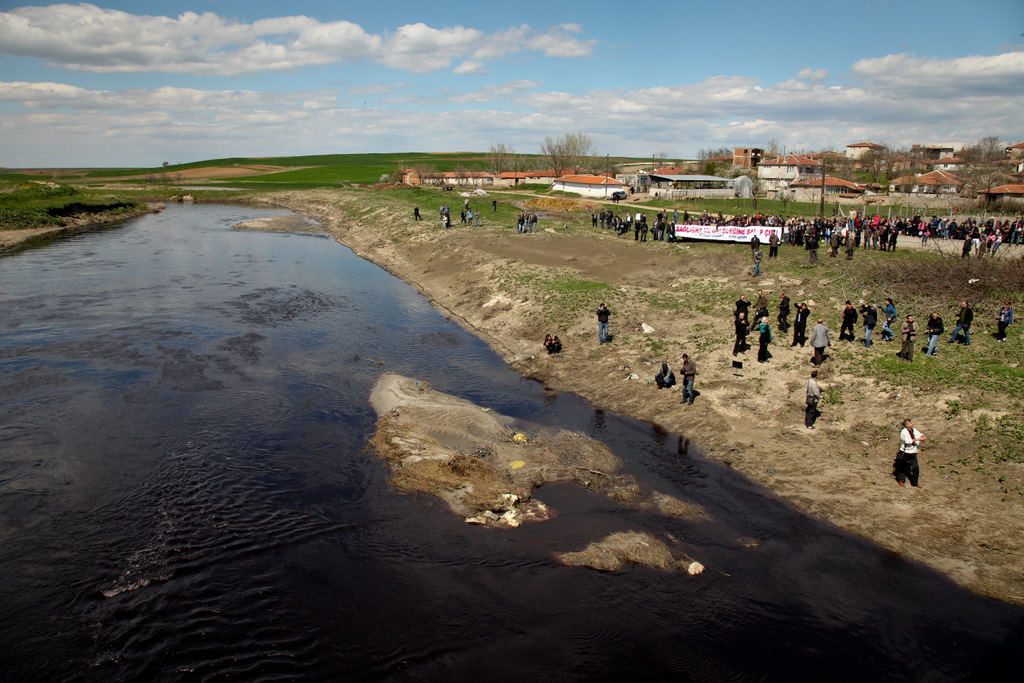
[778,173]
[598,186]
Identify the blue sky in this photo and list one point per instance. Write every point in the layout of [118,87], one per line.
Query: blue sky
[137,83]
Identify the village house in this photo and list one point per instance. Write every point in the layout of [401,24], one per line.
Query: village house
[935,183]
[514,178]
[411,176]
[1006,196]
[835,188]
[679,186]
[747,157]
[597,186]
[949,164]
[1015,151]
[860,149]
[935,152]
[778,173]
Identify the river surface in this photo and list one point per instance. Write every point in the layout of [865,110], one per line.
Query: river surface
[186,494]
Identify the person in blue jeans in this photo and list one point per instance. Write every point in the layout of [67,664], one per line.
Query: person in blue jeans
[602,323]
[963,322]
[934,330]
[890,318]
[689,371]
[870,318]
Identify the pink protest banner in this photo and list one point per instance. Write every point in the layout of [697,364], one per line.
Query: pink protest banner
[726,233]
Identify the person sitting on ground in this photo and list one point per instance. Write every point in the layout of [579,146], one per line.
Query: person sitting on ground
[665,378]
[552,344]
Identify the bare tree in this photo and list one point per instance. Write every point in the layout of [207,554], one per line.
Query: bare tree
[568,152]
[501,158]
[711,153]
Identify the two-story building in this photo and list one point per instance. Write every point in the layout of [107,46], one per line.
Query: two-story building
[859,149]
[778,173]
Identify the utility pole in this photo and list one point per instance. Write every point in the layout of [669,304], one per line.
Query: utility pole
[821,204]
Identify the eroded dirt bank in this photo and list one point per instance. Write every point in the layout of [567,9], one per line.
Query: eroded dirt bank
[14,239]
[750,418]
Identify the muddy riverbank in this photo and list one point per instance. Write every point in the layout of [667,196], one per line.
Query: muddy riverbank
[749,418]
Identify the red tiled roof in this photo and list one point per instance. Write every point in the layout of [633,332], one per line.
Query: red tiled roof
[874,145]
[467,174]
[791,160]
[590,180]
[1007,189]
[831,182]
[933,178]
[527,174]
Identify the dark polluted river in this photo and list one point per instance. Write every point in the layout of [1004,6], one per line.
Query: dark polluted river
[186,494]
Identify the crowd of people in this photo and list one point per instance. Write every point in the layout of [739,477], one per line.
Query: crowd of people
[850,233]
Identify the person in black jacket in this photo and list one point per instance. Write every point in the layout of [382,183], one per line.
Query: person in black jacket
[602,323]
[934,330]
[849,320]
[742,306]
[784,313]
[800,325]
[870,314]
[742,329]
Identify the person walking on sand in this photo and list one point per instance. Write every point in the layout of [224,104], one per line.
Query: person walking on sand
[908,333]
[819,340]
[416,213]
[813,398]
[602,323]
[689,371]
[906,459]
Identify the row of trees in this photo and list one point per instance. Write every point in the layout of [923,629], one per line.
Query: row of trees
[568,153]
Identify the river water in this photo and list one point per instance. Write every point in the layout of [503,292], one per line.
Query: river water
[186,494]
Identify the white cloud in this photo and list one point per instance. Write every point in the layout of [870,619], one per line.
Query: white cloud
[813,75]
[63,120]
[903,74]
[85,37]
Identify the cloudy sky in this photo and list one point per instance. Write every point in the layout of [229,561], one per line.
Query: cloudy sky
[136,82]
